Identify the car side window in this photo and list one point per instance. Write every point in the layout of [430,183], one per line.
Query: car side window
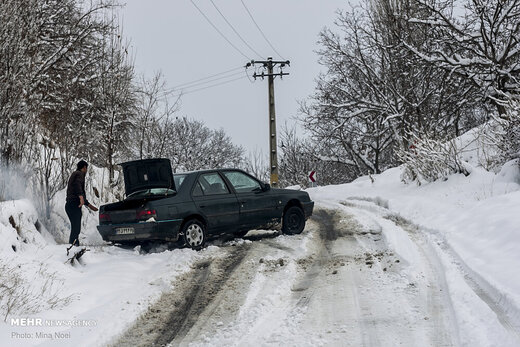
[242,182]
[211,184]
[197,190]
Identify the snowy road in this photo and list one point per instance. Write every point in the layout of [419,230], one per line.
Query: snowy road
[357,276]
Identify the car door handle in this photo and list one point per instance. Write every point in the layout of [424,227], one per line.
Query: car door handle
[202,206]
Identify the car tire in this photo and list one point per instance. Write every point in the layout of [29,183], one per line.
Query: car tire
[194,233]
[241,233]
[293,221]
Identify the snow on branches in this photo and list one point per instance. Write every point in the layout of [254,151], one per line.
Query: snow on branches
[478,40]
[501,135]
[430,159]
[376,91]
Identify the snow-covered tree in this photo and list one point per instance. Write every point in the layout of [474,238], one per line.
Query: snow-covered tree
[376,93]
[299,156]
[501,135]
[115,104]
[478,40]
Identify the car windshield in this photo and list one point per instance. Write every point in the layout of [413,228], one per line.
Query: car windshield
[152,192]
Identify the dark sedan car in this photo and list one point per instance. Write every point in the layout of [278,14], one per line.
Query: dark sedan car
[190,207]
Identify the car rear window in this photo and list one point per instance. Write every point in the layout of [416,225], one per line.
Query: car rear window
[178,180]
[152,192]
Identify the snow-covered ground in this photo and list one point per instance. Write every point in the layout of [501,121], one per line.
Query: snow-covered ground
[380,263]
[475,218]
[101,296]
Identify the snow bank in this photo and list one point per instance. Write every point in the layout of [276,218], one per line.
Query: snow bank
[101,296]
[98,298]
[476,215]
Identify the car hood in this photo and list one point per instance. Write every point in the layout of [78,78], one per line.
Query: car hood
[303,195]
[147,174]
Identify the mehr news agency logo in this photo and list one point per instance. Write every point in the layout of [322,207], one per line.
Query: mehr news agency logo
[40,322]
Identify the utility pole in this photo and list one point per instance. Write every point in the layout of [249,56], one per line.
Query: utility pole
[269,64]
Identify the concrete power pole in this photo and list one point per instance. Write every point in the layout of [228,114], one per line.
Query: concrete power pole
[269,64]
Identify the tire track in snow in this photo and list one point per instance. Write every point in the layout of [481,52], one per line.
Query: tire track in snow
[328,233]
[506,312]
[439,302]
[431,297]
[177,311]
[333,227]
[507,315]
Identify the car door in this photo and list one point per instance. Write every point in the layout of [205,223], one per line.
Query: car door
[257,206]
[216,202]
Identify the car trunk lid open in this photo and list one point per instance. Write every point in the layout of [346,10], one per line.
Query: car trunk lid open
[147,174]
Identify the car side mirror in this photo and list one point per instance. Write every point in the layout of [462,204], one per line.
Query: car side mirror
[266,187]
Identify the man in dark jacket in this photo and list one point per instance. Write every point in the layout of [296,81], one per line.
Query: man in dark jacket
[76,198]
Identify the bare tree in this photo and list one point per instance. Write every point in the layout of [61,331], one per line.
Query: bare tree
[191,145]
[256,164]
[153,108]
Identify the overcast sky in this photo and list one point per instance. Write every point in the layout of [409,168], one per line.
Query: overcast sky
[174,37]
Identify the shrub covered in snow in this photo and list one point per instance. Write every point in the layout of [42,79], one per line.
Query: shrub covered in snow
[504,134]
[429,160]
[27,283]
[20,294]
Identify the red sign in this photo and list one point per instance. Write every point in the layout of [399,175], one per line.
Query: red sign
[312,176]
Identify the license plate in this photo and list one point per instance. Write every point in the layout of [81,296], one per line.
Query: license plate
[124,231]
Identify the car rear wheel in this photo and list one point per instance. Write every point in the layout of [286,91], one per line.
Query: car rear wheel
[293,221]
[194,234]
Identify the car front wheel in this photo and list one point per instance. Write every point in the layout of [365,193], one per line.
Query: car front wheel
[293,221]
[194,234]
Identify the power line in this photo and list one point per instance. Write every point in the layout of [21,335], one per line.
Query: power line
[221,34]
[205,80]
[232,27]
[212,80]
[210,76]
[261,32]
[210,86]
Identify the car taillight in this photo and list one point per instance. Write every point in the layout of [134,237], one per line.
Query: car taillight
[104,217]
[145,214]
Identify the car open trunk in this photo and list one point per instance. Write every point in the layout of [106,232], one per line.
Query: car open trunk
[146,174]
[139,175]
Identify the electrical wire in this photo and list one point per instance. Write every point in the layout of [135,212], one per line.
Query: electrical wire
[261,32]
[208,77]
[221,34]
[210,86]
[233,28]
[212,80]
[202,82]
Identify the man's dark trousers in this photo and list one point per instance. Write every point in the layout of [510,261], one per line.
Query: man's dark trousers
[74,213]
